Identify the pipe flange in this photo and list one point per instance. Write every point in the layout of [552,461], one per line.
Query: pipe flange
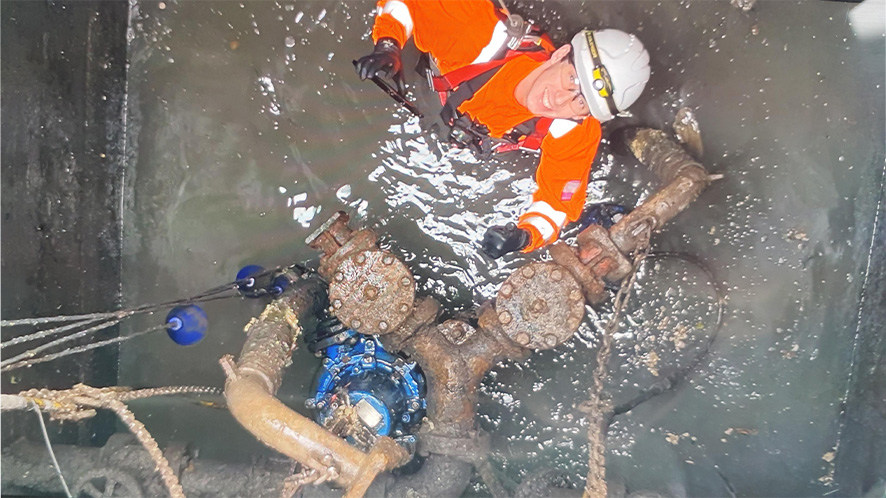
[540,306]
[372,292]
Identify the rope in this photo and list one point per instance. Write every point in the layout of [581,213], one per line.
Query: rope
[52,319]
[58,469]
[201,297]
[597,407]
[13,363]
[69,405]
[109,319]
[150,392]
[91,319]
[33,352]
[675,378]
[144,437]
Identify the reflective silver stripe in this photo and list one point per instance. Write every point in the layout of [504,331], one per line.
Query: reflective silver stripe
[544,208]
[400,12]
[542,225]
[499,38]
[560,127]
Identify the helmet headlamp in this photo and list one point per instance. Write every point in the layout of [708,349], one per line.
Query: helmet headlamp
[601,83]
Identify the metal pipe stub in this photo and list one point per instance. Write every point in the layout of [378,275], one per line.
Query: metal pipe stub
[683,179]
[372,292]
[331,235]
[337,242]
[540,306]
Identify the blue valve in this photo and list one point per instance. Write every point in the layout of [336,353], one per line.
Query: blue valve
[250,287]
[186,325]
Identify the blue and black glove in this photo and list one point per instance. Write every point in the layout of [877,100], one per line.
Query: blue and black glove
[604,214]
[383,61]
[500,240]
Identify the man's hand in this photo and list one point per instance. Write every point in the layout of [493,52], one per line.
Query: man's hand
[383,61]
[500,240]
[605,214]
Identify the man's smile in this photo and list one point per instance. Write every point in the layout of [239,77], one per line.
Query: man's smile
[546,99]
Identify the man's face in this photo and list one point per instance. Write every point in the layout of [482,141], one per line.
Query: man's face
[555,93]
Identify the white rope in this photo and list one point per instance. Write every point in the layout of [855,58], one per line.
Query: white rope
[55,464]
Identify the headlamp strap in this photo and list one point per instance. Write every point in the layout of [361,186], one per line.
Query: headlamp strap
[602,83]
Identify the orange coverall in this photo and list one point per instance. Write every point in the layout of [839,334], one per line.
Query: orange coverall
[457,33]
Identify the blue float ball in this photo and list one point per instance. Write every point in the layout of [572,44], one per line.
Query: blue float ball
[247,274]
[187,325]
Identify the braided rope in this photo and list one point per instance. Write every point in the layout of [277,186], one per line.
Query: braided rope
[81,401]
[598,406]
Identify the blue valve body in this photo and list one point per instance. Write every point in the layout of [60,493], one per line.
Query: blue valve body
[187,325]
[393,387]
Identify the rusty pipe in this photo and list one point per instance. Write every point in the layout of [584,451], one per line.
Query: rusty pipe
[683,178]
[253,381]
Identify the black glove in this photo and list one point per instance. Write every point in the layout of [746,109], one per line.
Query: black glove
[500,240]
[383,61]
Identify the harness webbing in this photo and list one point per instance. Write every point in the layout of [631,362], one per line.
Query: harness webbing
[460,85]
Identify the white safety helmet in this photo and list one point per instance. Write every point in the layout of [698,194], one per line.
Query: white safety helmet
[613,68]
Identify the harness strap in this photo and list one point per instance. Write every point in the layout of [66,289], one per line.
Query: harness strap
[451,80]
[460,85]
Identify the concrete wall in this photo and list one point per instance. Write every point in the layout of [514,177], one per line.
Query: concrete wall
[63,121]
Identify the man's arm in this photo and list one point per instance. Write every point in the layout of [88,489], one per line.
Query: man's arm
[392,28]
[562,179]
[393,20]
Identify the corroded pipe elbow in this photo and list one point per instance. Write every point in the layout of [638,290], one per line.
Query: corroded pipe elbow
[255,378]
[288,432]
[683,179]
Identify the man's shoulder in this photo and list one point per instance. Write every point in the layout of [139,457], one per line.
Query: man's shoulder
[587,127]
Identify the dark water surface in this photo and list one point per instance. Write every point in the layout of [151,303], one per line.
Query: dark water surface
[250,128]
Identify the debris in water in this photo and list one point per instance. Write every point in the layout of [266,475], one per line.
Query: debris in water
[688,132]
[743,5]
[797,234]
[679,337]
[828,457]
[234,44]
[650,359]
[741,430]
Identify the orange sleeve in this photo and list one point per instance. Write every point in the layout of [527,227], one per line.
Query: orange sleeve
[388,27]
[454,32]
[562,179]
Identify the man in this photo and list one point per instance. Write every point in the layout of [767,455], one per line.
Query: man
[507,83]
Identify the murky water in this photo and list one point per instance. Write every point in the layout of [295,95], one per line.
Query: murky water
[248,128]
